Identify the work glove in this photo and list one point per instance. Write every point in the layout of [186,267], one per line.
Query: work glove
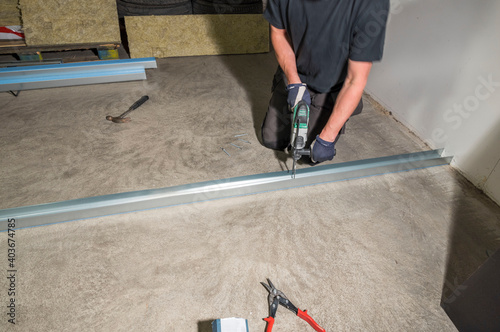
[296,93]
[322,150]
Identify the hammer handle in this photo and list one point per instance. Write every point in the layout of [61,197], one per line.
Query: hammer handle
[135,105]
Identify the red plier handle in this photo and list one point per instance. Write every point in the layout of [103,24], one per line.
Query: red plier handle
[302,314]
[270,323]
[308,319]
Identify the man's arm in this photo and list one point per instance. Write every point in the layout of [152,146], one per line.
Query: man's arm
[348,98]
[285,55]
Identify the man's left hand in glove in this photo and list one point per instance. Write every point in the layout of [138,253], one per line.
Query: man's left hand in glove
[322,150]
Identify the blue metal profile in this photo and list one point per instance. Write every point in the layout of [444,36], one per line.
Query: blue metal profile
[68,74]
[122,63]
[43,214]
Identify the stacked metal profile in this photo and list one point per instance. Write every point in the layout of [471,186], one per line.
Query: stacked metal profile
[80,73]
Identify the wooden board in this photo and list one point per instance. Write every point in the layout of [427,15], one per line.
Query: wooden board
[16,43]
[55,22]
[188,35]
[19,46]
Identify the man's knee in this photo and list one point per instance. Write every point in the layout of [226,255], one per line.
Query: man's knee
[275,131]
[272,140]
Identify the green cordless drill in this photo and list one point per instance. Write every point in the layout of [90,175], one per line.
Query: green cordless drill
[298,138]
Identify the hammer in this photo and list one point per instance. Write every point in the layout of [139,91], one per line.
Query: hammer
[121,118]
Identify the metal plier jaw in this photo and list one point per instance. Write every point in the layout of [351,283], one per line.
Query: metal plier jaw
[277,297]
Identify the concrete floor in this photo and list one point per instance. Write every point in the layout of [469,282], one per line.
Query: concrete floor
[57,144]
[373,254]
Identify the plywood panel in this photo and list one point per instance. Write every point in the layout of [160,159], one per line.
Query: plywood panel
[59,22]
[9,13]
[171,36]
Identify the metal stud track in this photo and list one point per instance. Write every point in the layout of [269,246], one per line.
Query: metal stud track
[44,214]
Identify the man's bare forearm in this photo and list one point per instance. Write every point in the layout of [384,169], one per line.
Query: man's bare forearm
[346,103]
[347,100]
[285,55]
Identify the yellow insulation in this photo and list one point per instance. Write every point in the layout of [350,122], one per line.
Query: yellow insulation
[9,13]
[186,35]
[60,22]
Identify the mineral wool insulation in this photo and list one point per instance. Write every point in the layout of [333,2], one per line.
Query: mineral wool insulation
[186,35]
[9,13]
[60,22]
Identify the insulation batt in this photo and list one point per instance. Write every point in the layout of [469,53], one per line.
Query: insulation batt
[186,35]
[60,22]
[9,13]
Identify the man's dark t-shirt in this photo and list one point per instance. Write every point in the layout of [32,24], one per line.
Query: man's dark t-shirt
[326,33]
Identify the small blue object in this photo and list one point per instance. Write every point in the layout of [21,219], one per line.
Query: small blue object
[230,325]
[31,57]
[108,54]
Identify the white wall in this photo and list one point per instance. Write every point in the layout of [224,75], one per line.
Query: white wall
[440,76]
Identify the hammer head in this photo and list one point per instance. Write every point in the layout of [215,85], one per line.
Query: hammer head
[117,119]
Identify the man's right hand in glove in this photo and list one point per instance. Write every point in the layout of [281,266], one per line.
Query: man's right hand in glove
[296,93]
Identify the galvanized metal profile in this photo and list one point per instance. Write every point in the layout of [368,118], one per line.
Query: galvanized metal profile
[68,74]
[20,63]
[90,207]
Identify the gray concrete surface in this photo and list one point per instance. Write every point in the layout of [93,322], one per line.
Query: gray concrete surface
[362,255]
[57,145]
[374,254]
